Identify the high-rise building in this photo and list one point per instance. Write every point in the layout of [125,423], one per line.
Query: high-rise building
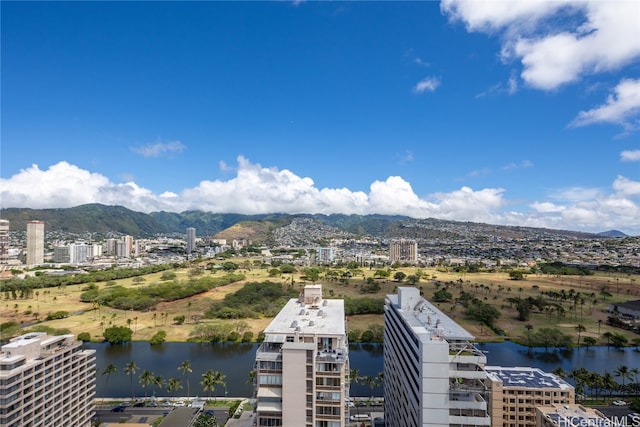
[517,391]
[35,242]
[302,366]
[403,250]
[79,253]
[128,246]
[46,381]
[191,240]
[433,373]
[4,241]
[325,255]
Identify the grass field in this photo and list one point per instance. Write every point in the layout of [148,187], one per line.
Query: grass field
[491,288]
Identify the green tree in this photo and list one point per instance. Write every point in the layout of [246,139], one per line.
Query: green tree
[146,378]
[442,295]
[399,276]
[589,341]
[185,368]
[130,369]
[173,384]
[117,334]
[211,379]
[622,371]
[580,329]
[108,370]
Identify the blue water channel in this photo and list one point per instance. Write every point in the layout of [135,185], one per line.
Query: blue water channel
[235,360]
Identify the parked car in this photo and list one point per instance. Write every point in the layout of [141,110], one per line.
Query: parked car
[619,403]
[360,417]
[117,409]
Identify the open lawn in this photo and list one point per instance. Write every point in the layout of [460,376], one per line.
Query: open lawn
[495,289]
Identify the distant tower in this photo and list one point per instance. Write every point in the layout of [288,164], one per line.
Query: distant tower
[403,250]
[4,241]
[191,240]
[35,242]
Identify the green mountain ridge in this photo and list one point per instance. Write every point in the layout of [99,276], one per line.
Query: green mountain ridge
[259,228]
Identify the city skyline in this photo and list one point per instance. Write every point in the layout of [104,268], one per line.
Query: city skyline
[510,113]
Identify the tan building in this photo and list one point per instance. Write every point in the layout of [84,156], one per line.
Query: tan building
[302,366]
[575,416]
[4,241]
[35,242]
[403,250]
[46,381]
[517,391]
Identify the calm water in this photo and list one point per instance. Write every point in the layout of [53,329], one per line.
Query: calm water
[235,360]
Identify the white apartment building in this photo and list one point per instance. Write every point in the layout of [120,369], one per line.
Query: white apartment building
[302,366]
[35,242]
[433,373]
[46,381]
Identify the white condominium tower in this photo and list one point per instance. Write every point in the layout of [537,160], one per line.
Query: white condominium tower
[302,366]
[35,242]
[46,381]
[403,250]
[433,373]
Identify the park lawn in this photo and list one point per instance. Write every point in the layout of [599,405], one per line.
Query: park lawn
[491,288]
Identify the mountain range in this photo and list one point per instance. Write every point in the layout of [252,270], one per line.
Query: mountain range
[98,218]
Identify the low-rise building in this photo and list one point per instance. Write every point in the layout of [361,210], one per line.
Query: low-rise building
[573,416]
[517,391]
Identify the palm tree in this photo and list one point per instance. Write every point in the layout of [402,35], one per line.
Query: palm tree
[146,378]
[209,381]
[371,382]
[623,372]
[185,368]
[130,369]
[110,369]
[173,384]
[580,329]
[608,335]
[218,379]
[158,381]
[529,328]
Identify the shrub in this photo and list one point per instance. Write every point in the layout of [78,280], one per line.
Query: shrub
[57,315]
[179,319]
[247,336]
[158,338]
[233,336]
[84,336]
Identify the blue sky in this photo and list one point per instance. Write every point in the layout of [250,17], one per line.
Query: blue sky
[505,112]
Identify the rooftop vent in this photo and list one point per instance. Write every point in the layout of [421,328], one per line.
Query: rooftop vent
[294,323]
[312,323]
[325,302]
[320,313]
[302,312]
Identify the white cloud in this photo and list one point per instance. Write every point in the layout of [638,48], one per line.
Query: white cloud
[256,189]
[557,42]
[159,148]
[428,84]
[626,187]
[525,164]
[630,155]
[619,107]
